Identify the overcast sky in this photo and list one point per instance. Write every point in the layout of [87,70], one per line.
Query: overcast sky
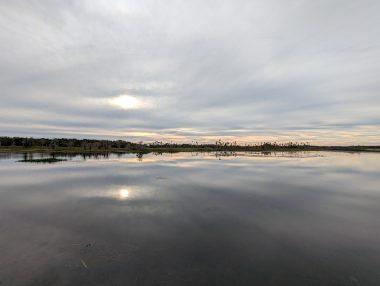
[300,70]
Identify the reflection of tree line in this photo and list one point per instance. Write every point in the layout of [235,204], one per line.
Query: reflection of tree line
[84,156]
[293,154]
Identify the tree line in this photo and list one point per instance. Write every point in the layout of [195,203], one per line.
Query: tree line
[65,142]
[95,144]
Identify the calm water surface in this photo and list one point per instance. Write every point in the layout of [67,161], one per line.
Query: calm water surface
[191,219]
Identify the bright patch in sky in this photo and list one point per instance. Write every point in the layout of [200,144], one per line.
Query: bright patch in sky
[126,102]
[123,194]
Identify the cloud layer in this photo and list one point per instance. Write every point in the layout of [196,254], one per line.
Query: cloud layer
[247,70]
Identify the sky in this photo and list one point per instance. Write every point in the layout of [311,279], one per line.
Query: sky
[250,71]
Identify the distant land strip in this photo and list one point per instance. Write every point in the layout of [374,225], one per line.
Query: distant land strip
[70,145]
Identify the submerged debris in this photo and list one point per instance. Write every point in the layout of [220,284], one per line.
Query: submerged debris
[84,264]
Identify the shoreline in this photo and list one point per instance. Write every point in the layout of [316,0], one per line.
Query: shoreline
[146,150]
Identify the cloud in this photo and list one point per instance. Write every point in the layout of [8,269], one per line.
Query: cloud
[244,70]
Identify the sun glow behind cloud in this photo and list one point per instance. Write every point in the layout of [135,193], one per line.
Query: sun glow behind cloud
[124,194]
[126,102]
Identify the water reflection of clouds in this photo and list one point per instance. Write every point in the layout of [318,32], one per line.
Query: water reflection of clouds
[251,206]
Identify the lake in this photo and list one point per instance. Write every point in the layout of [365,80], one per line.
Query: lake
[309,218]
